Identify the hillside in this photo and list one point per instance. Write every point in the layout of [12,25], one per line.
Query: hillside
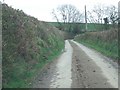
[27,45]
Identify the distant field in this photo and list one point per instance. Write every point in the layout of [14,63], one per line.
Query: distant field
[91,26]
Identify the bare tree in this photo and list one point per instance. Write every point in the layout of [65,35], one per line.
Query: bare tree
[55,16]
[112,13]
[67,14]
[99,10]
[91,18]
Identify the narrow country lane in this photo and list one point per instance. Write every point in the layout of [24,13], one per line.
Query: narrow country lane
[78,67]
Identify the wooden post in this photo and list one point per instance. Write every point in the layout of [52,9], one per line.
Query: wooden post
[85,19]
[118,31]
[119,12]
[3,1]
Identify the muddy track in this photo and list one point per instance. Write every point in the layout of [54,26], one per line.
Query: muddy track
[76,69]
[89,75]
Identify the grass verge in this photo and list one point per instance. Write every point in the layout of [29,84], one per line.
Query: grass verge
[26,80]
[106,47]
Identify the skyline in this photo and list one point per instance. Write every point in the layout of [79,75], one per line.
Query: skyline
[42,9]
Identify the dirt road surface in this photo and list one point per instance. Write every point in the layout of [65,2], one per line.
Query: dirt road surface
[78,67]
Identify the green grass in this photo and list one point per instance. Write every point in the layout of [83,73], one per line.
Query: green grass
[24,80]
[108,48]
[104,48]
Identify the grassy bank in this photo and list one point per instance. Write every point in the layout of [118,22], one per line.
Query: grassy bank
[27,45]
[105,42]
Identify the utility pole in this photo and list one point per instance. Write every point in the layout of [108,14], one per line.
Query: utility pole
[3,1]
[85,19]
[119,12]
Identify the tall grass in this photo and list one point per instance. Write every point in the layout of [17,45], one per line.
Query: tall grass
[105,42]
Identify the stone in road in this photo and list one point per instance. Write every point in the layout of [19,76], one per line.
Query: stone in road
[77,67]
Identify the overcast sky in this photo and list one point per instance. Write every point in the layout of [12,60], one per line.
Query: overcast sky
[42,9]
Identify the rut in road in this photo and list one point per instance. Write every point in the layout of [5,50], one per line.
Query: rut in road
[77,67]
[92,68]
